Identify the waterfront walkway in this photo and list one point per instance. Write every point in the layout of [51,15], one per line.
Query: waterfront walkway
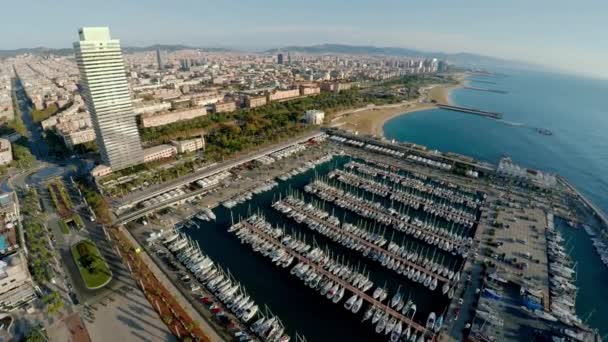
[184,303]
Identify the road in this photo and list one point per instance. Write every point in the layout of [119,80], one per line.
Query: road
[138,196]
[119,310]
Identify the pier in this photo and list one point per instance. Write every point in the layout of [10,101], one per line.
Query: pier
[403,197]
[371,246]
[319,269]
[453,195]
[481,81]
[493,115]
[496,91]
[409,229]
[596,211]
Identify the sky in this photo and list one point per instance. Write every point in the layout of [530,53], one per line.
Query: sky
[565,35]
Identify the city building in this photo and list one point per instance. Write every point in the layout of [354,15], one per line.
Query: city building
[335,87]
[280,58]
[314,117]
[151,107]
[159,152]
[6,152]
[101,170]
[255,101]
[306,90]
[73,138]
[159,61]
[279,95]
[224,107]
[508,168]
[165,118]
[9,223]
[16,285]
[190,145]
[106,95]
[184,64]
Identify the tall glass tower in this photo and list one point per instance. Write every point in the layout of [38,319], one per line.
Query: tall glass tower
[106,94]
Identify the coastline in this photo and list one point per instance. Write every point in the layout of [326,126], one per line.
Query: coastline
[371,119]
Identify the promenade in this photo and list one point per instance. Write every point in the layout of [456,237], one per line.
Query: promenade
[182,307]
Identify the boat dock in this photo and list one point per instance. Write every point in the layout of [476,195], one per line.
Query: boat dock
[407,198]
[371,246]
[497,91]
[493,115]
[378,213]
[480,81]
[320,270]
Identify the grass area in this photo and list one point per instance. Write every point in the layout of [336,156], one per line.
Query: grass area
[93,268]
[65,229]
[75,219]
[96,201]
[39,115]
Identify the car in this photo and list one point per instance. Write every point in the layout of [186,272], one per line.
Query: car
[74,298]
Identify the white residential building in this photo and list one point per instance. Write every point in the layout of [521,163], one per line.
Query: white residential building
[314,117]
[190,145]
[6,152]
[16,286]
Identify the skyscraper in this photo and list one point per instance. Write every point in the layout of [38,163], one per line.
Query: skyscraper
[106,94]
[158,59]
[280,58]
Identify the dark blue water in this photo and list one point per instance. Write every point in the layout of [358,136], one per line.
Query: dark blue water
[573,108]
[301,309]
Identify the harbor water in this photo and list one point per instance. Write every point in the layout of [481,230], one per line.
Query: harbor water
[572,108]
[300,308]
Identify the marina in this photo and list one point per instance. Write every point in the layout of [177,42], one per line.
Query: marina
[386,237]
[314,265]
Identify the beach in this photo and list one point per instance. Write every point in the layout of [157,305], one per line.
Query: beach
[371,119]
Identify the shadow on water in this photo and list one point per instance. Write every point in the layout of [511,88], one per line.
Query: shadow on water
[302,309]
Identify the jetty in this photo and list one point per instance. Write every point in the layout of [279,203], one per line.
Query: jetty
[492,115]
[335,279]
[596,211]
[480,81]
[497,91]
[338,232]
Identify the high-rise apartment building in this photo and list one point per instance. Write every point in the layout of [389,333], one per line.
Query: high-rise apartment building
[280,58]
[107,98]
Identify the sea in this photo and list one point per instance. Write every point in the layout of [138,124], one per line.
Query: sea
[573,108]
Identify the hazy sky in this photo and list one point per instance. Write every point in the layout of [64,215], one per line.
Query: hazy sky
[569,35]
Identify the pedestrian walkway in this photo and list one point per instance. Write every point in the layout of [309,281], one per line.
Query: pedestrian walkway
[181,300]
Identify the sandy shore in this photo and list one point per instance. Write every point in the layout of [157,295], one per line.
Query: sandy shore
[371,119]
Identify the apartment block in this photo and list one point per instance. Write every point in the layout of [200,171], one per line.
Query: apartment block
[6,152]
[190,145]
[224,107]
[165,118]
[159,152]
[255,101]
